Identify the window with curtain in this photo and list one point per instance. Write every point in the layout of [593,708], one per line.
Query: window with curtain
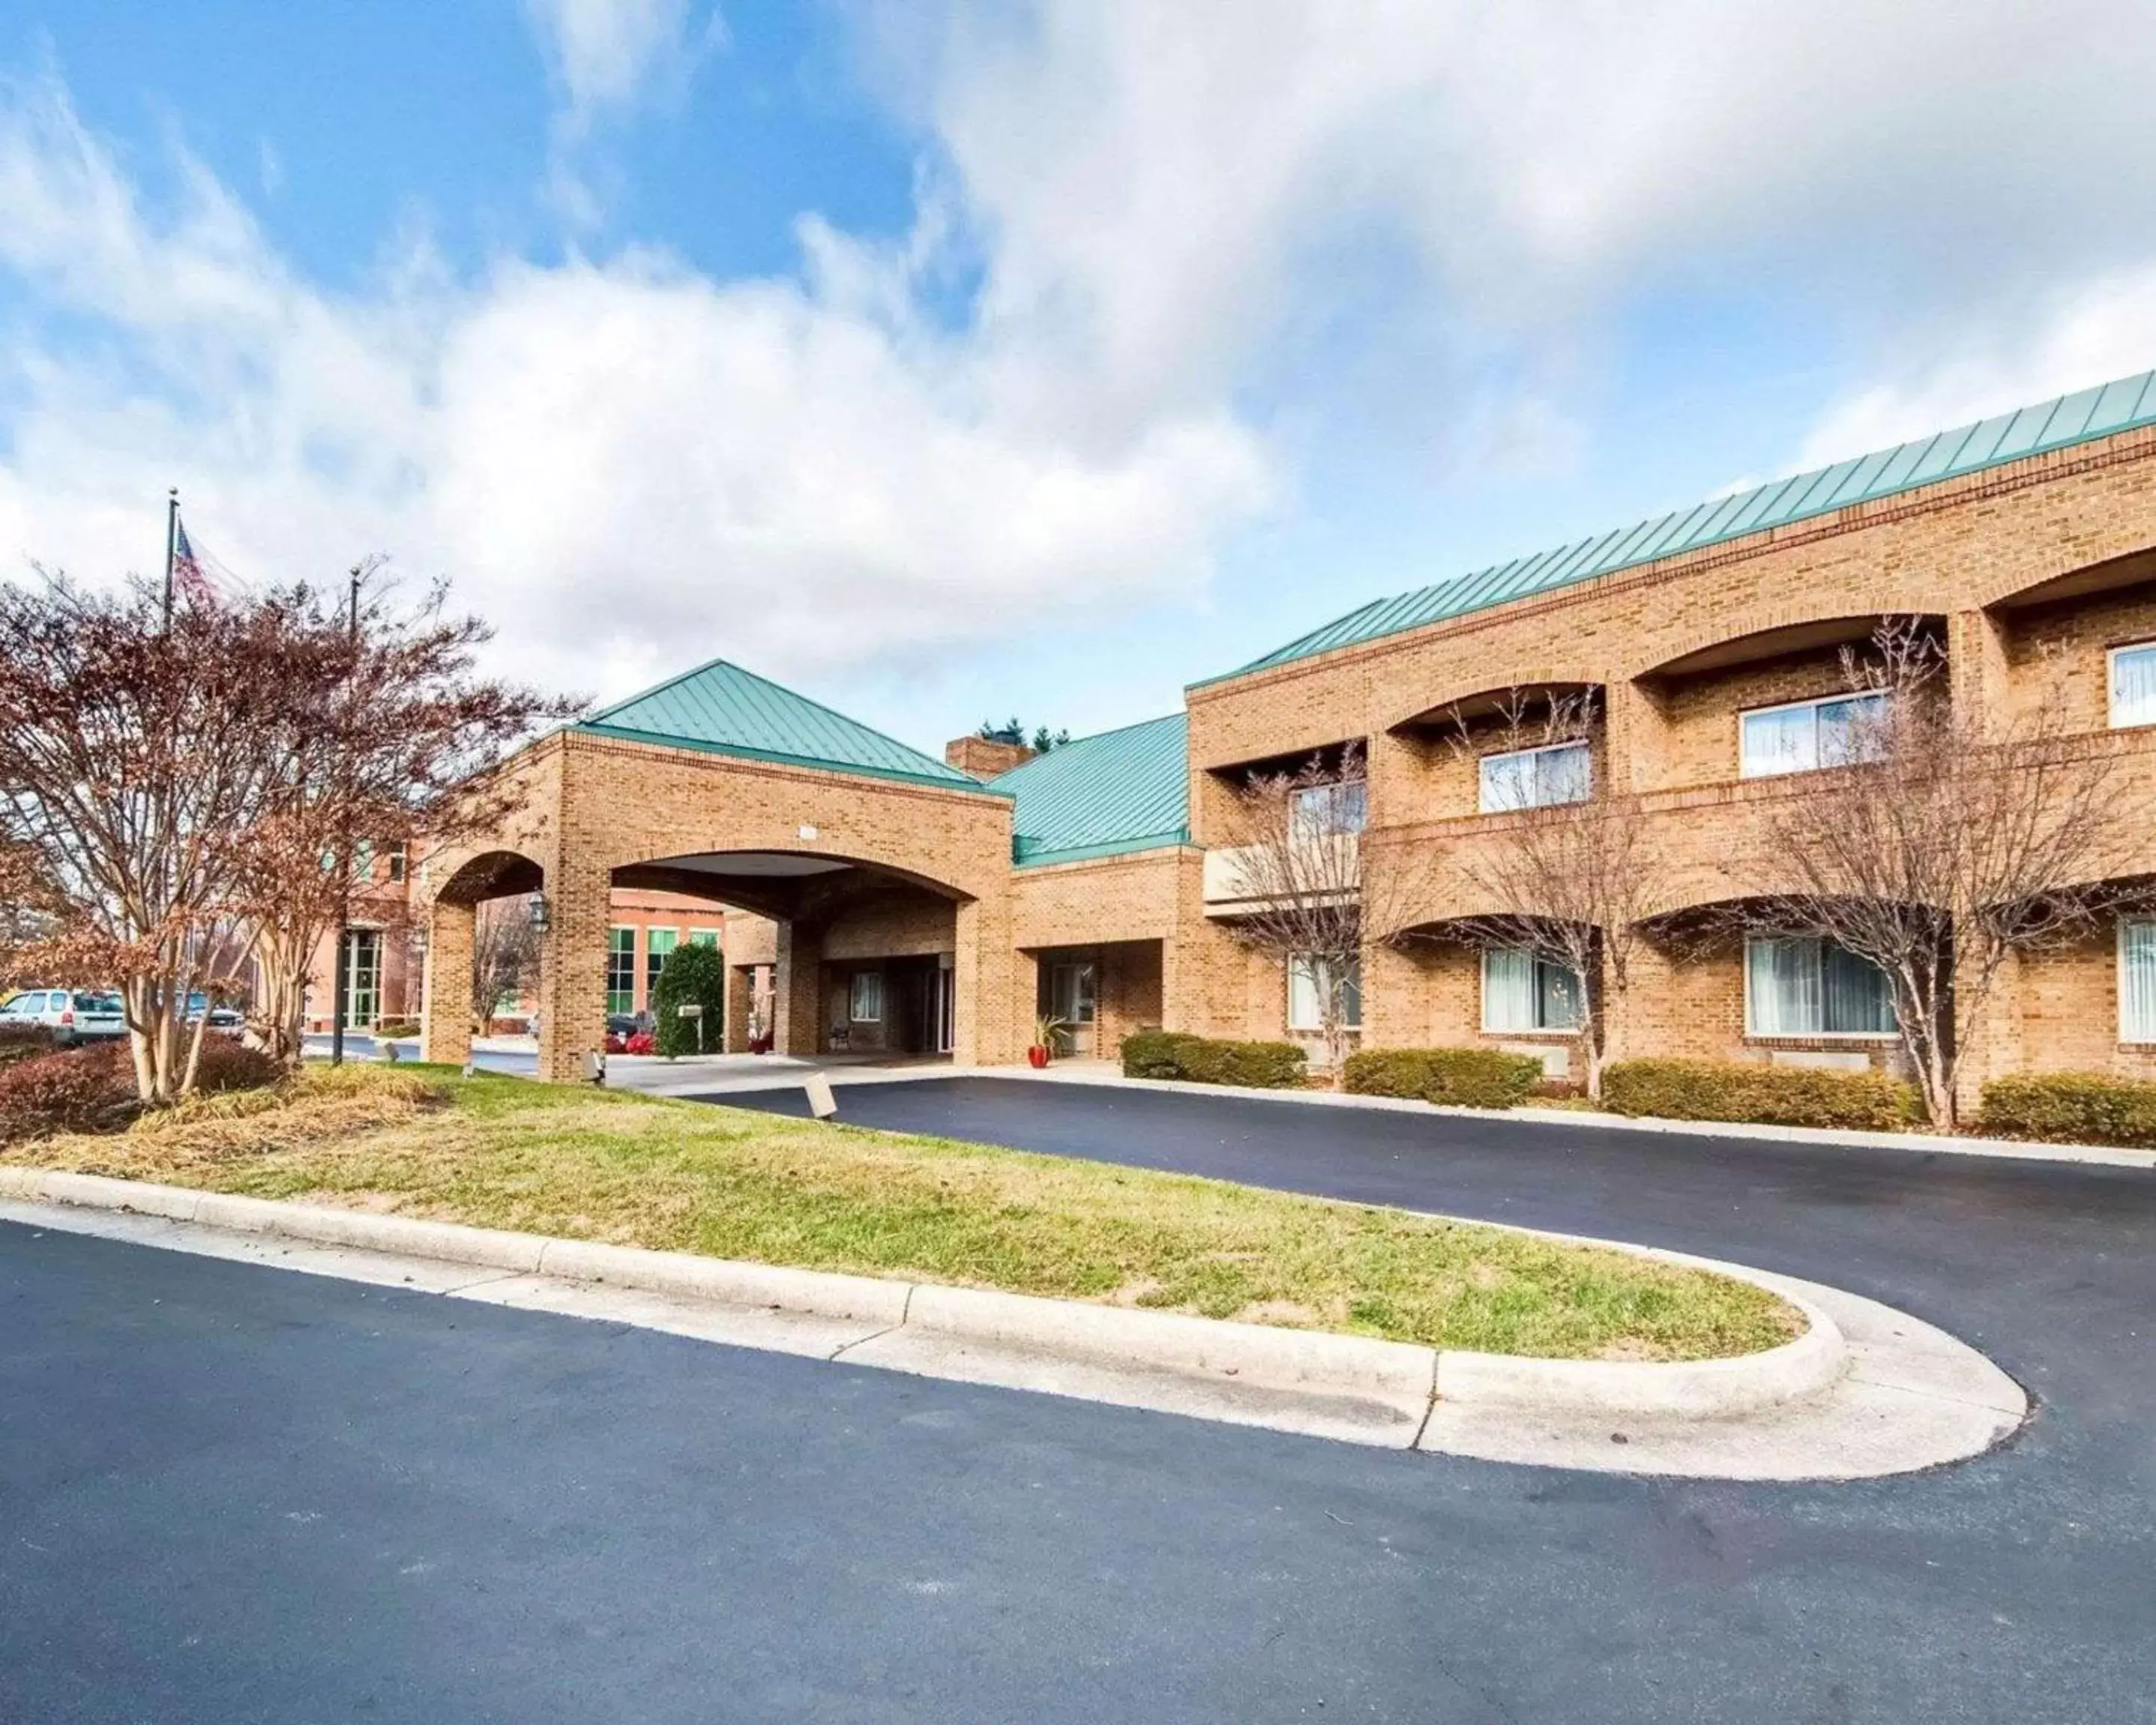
[1307,979]
[1806,987]
[1522,992]
[621,970]
[1807,735]
[866,1005]
[2136,980]
[1324,808]
[658,942]
[2133,686]
[1535,778]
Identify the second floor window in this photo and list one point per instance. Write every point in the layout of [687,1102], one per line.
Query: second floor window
[1324,808]
[1805,736]
[1535,778]
[2133,686]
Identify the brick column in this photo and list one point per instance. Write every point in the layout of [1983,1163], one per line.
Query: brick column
[1395,1012]
[1976,671]
[1990,1038]
[572,958]
[1634,738]
[739,979]
[995,982]
[447,1013]
[797,994]
[1204,974]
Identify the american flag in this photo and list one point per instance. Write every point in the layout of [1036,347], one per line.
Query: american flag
[198,575]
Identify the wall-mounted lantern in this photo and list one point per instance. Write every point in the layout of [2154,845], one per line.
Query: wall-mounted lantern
[535,905]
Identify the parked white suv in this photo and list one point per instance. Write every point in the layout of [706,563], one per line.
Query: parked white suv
[71,1015]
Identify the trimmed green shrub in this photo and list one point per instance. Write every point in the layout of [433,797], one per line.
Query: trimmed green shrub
[397,1027]
[1455,1077]
[1154,1054]
[2072,1108]
[1200,1060]
[1760,1095]
[1251,1066]
[694,973]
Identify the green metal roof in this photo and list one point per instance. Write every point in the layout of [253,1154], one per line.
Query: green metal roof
[723,710]
[2077,418]
[1102,796]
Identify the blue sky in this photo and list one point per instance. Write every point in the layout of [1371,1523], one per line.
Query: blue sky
[951,360]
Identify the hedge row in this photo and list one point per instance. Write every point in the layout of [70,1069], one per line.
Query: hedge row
[1458,1077]
[1203,1059]
[2072,1108]
[1759,1095]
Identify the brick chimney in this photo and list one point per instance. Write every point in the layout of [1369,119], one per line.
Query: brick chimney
[984,758]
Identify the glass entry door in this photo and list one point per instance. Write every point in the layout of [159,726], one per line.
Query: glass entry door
[1070,997]
[945,1015]
[362,976]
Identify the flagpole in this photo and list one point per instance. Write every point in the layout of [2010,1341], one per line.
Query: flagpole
[342,972]
[172,549]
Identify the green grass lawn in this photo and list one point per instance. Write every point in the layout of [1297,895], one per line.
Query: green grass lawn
[505,1153]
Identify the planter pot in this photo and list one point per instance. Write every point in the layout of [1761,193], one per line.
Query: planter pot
[1036,1057]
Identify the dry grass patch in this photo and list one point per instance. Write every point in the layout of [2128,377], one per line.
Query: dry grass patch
[506,1153]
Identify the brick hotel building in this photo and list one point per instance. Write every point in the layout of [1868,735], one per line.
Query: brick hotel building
[886,900]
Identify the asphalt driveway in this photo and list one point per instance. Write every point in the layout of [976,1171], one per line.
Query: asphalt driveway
[230,1493]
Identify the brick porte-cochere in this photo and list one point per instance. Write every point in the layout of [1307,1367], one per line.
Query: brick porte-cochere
[827,855]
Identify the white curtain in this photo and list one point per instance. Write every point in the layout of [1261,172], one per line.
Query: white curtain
[1785,741]
[2137,981]
[1562,775]
[1814,988]
[1508,783]
[1782,987]
[1303,1009]
[2133,687]
[1307,981]
[1855,997]
[1508,989]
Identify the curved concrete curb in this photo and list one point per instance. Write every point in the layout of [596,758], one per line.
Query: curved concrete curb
[1405,1376]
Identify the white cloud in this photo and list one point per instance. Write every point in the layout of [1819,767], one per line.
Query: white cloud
[1204,236]
[626,465]
[1173,193]
[607,58]
[2089,334]
[608,55]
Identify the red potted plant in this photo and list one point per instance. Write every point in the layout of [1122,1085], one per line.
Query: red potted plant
[1047,1036]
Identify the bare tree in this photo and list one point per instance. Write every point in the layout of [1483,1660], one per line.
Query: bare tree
[389,736]
[1939,843]
[1568,870]
[505,955]
[1308,893]
[132,778]
[177,788]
